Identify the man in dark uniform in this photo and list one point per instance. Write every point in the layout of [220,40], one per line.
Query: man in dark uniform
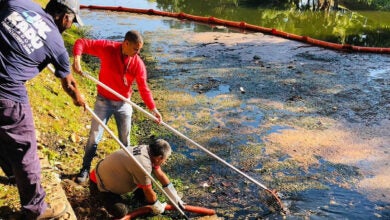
[30,39]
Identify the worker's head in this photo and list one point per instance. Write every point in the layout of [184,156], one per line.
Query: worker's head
[159,151]
[132,44]
[64,13]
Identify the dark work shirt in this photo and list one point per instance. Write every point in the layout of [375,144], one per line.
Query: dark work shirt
[29,40]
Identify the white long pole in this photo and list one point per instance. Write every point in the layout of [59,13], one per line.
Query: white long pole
[133,158]
[174,130]
[129,153]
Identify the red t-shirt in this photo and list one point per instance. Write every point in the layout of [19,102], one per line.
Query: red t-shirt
[117,71]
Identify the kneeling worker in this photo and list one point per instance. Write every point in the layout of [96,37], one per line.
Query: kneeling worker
[119,174]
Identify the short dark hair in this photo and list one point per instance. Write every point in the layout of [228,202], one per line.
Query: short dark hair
[160,147]
[54,8]
[134,37]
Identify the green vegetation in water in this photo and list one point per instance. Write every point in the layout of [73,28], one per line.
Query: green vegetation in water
[309,122]
[352,24]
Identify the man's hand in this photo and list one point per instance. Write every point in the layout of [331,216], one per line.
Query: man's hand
[172,193]
[157,114]
[79,101]
[158,207]
[76,64]
[70,86]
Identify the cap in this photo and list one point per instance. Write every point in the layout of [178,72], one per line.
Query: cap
[74,6]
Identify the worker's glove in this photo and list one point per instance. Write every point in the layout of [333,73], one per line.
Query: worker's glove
[158,207]
[172,193]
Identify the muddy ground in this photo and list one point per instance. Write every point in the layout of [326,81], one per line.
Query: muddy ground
[294,116]
[335,105]
[263,102]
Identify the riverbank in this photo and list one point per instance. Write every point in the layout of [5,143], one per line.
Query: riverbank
[294,116]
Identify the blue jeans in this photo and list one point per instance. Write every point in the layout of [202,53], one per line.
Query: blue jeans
[104,109]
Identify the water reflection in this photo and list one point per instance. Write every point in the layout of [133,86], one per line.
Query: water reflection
[103,28]
[360,28]
[334,203]
[145,4]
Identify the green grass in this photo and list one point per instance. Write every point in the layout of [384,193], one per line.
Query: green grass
[62,128]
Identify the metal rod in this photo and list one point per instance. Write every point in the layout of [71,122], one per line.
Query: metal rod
[175,131]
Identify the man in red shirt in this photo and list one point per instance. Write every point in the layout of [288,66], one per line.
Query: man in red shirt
[120,66]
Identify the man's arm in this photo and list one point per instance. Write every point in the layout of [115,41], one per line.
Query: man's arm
[143,88]
[76,64]
[167,185]
[150,195]
[161,176]
[70,86]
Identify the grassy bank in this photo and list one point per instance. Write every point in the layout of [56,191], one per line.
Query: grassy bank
[62,128]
